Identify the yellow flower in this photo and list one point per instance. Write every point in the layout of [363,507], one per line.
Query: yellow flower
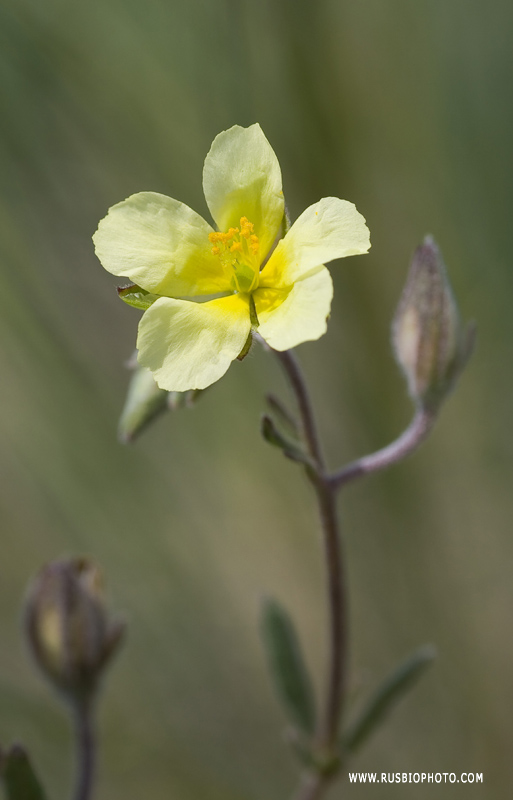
[168,250]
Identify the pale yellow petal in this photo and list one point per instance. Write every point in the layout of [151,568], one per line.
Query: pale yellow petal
[298,314]
[242,178]
[161,245]
[329,229]
[190,345]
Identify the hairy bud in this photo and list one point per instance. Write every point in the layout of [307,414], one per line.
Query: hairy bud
[70,634]
[430,343]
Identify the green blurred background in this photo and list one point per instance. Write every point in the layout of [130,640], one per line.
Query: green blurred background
[404,108]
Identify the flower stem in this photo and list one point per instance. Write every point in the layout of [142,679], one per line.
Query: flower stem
[312,787]
[292,368]
[331,707]
[405,444]
[325,746]
[86,750]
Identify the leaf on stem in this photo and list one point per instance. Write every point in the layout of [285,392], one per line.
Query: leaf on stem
[290,448]
[403,677]
[288,670]
[18,776]
[282,413]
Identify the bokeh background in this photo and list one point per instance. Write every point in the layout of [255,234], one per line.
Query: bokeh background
[404,108]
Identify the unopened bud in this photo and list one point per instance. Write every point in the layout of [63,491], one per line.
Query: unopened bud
[431,345]
[69,631]
[144,402]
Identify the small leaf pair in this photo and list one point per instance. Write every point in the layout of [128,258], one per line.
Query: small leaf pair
[294,689]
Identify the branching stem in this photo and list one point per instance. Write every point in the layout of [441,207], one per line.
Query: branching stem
[331,708]
[407,442]
[314,784]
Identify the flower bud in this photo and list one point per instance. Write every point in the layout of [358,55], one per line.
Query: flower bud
[430,343]
[144,402]
[69,631]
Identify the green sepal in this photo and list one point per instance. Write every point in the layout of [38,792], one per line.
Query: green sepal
[287,667]
[289,448]
[179,400]
[144,402]
[468,344]
[18,776]
[136,297]
[253,317]
[400,681]
[247,347]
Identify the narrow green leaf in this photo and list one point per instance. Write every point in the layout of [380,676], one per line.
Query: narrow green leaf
[18,776]
[403,677]
[290,448]
[282,413]
[288,670]
[134,296]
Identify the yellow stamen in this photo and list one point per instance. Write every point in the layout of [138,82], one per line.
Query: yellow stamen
[246,227]
[216,236]
[237,250]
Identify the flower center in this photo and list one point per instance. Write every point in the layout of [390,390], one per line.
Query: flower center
[237,250]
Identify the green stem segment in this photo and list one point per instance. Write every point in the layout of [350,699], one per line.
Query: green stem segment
[331,708]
